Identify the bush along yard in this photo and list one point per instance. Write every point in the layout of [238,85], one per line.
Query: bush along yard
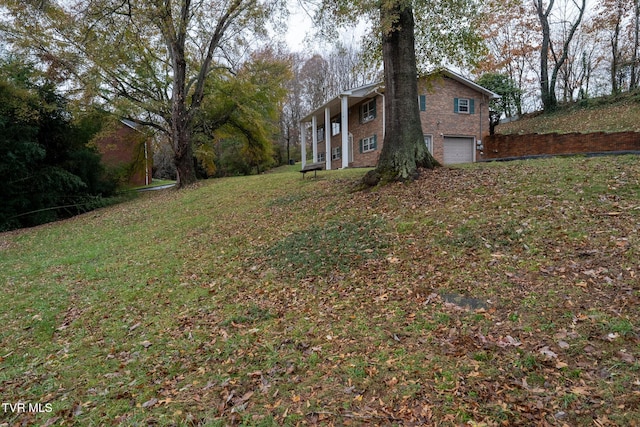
[490,294]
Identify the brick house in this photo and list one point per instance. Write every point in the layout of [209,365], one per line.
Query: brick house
[454,112]
[126,152]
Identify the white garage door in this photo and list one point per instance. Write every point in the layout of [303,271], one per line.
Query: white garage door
[458,150]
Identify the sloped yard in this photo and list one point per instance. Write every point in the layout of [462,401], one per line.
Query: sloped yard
[492,294]
[608,114]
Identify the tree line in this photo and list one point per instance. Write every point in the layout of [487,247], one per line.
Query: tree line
[560,51]
[48,169]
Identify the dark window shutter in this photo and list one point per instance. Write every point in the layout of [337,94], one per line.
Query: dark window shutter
[375,107]
[375,142]
[360,144]
[472,106]
[423,102]
[455,105]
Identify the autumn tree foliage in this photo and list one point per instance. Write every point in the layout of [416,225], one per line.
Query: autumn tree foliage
[241,112]
[618,23]
[509,31]
[149,60]
[562,50]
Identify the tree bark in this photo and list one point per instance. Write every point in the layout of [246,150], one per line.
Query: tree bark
[635,65]
[547,92]
[548,84]
[404,150]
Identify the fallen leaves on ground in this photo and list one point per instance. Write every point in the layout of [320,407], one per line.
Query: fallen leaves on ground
[502,294]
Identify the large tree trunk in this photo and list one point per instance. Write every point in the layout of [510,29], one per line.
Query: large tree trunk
[183,157]
[548,84]
[635,66]
[404,150]
[547,88]
[181,121]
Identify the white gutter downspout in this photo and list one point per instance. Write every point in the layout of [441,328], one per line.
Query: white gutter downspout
[384,113]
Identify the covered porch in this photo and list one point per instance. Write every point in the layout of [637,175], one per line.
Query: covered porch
[332,120]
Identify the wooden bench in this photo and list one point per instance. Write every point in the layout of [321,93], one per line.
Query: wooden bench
[315,167]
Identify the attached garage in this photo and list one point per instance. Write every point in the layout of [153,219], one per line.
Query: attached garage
[458,150]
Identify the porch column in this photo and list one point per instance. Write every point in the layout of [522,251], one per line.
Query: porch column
[314,138]
[344,129]
[303,144]
[327,136]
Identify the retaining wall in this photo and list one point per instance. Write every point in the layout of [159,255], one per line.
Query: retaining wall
[553,144]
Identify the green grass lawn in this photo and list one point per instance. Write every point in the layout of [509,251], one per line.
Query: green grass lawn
[503,294]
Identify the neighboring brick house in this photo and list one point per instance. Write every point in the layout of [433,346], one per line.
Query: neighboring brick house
[126,152]
[454,112]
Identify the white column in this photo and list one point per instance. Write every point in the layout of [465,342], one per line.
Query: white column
[327,136]
[344,129]
[303,144]
[314,138]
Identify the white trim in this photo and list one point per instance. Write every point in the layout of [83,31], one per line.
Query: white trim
[303,145]
[466,109]
[314,138]
[344,128]
[370,141]
[327,136]
[469,137]
[429,144]
[369,117]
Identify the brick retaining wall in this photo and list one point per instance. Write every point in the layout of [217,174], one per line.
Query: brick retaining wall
[510,146]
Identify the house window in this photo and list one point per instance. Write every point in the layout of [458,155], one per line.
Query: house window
[320,133]
[428,141]
[321,157]
[463,106]
[336,153]
[335,127]
[368,144]
[422,102]
[368,111]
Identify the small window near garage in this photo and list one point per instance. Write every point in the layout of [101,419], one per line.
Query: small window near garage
[336,153]
[428,141]
[321,157]
[368,111]
[463,105]
[368,144]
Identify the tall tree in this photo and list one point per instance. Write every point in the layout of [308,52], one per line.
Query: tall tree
[243,109]
[445,35]
[549,50]
[404,150]
[509,30]
[149,58]
[509,96]
[635,52]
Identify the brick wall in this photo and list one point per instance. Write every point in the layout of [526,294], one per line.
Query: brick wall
[123,152]
[508,146]
[440,119]
[358,130]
